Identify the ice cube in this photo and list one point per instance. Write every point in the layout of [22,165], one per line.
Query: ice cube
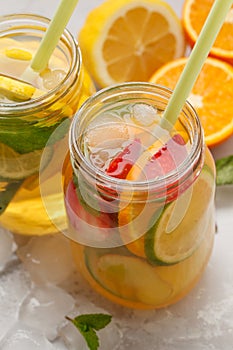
[109,337]
[72,337]
[45,308]
[14,284]
[109,135]
[22,337]
[105,118]
[144,114]
[7,247]
[51,78]
[48,259]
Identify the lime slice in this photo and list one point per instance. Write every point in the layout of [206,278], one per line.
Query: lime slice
[181,226]
[128,277]
[16,166]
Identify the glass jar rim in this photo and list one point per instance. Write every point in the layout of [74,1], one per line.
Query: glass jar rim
[26,20]
[192,163]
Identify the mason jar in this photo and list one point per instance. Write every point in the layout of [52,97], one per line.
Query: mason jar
[139,198]
[35,114]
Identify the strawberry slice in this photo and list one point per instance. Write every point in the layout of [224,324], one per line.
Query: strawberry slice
[158,160]
[78,212]
[167,158]
[120,166]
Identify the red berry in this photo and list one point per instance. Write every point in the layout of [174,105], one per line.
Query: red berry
[120,166]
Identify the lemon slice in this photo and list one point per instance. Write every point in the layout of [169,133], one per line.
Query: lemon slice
[127,40]
[18,54]
[16,166]
[15,89]
[181,226]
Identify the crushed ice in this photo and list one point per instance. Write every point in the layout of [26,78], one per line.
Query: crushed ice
[47,259]
[21,337]
[34,300]
[7,247]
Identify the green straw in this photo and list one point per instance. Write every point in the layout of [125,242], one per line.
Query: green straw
[53,34]
[195,61]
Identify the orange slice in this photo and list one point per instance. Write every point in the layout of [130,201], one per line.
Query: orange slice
[211,96]
[126,40]
[194,15]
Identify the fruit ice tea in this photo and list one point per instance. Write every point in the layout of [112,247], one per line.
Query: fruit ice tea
[139,198]
[35,108]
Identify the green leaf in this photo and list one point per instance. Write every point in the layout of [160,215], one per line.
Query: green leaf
[224,168]
[96,321]
[24,137]
[88,324]
[91,338]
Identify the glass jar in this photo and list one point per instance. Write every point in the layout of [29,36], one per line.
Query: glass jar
[139,198]
[32,126]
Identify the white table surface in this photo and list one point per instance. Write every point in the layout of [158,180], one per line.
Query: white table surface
[205,317]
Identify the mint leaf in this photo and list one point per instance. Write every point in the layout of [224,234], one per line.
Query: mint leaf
[91,338]
[224,168]
[25,137]
[96,321]
[88,324]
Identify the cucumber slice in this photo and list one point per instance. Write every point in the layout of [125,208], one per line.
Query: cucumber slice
[128,277]
[181,226]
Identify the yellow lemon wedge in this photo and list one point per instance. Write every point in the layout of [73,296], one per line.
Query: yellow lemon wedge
[18,54]
[15,89]
[127,40]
